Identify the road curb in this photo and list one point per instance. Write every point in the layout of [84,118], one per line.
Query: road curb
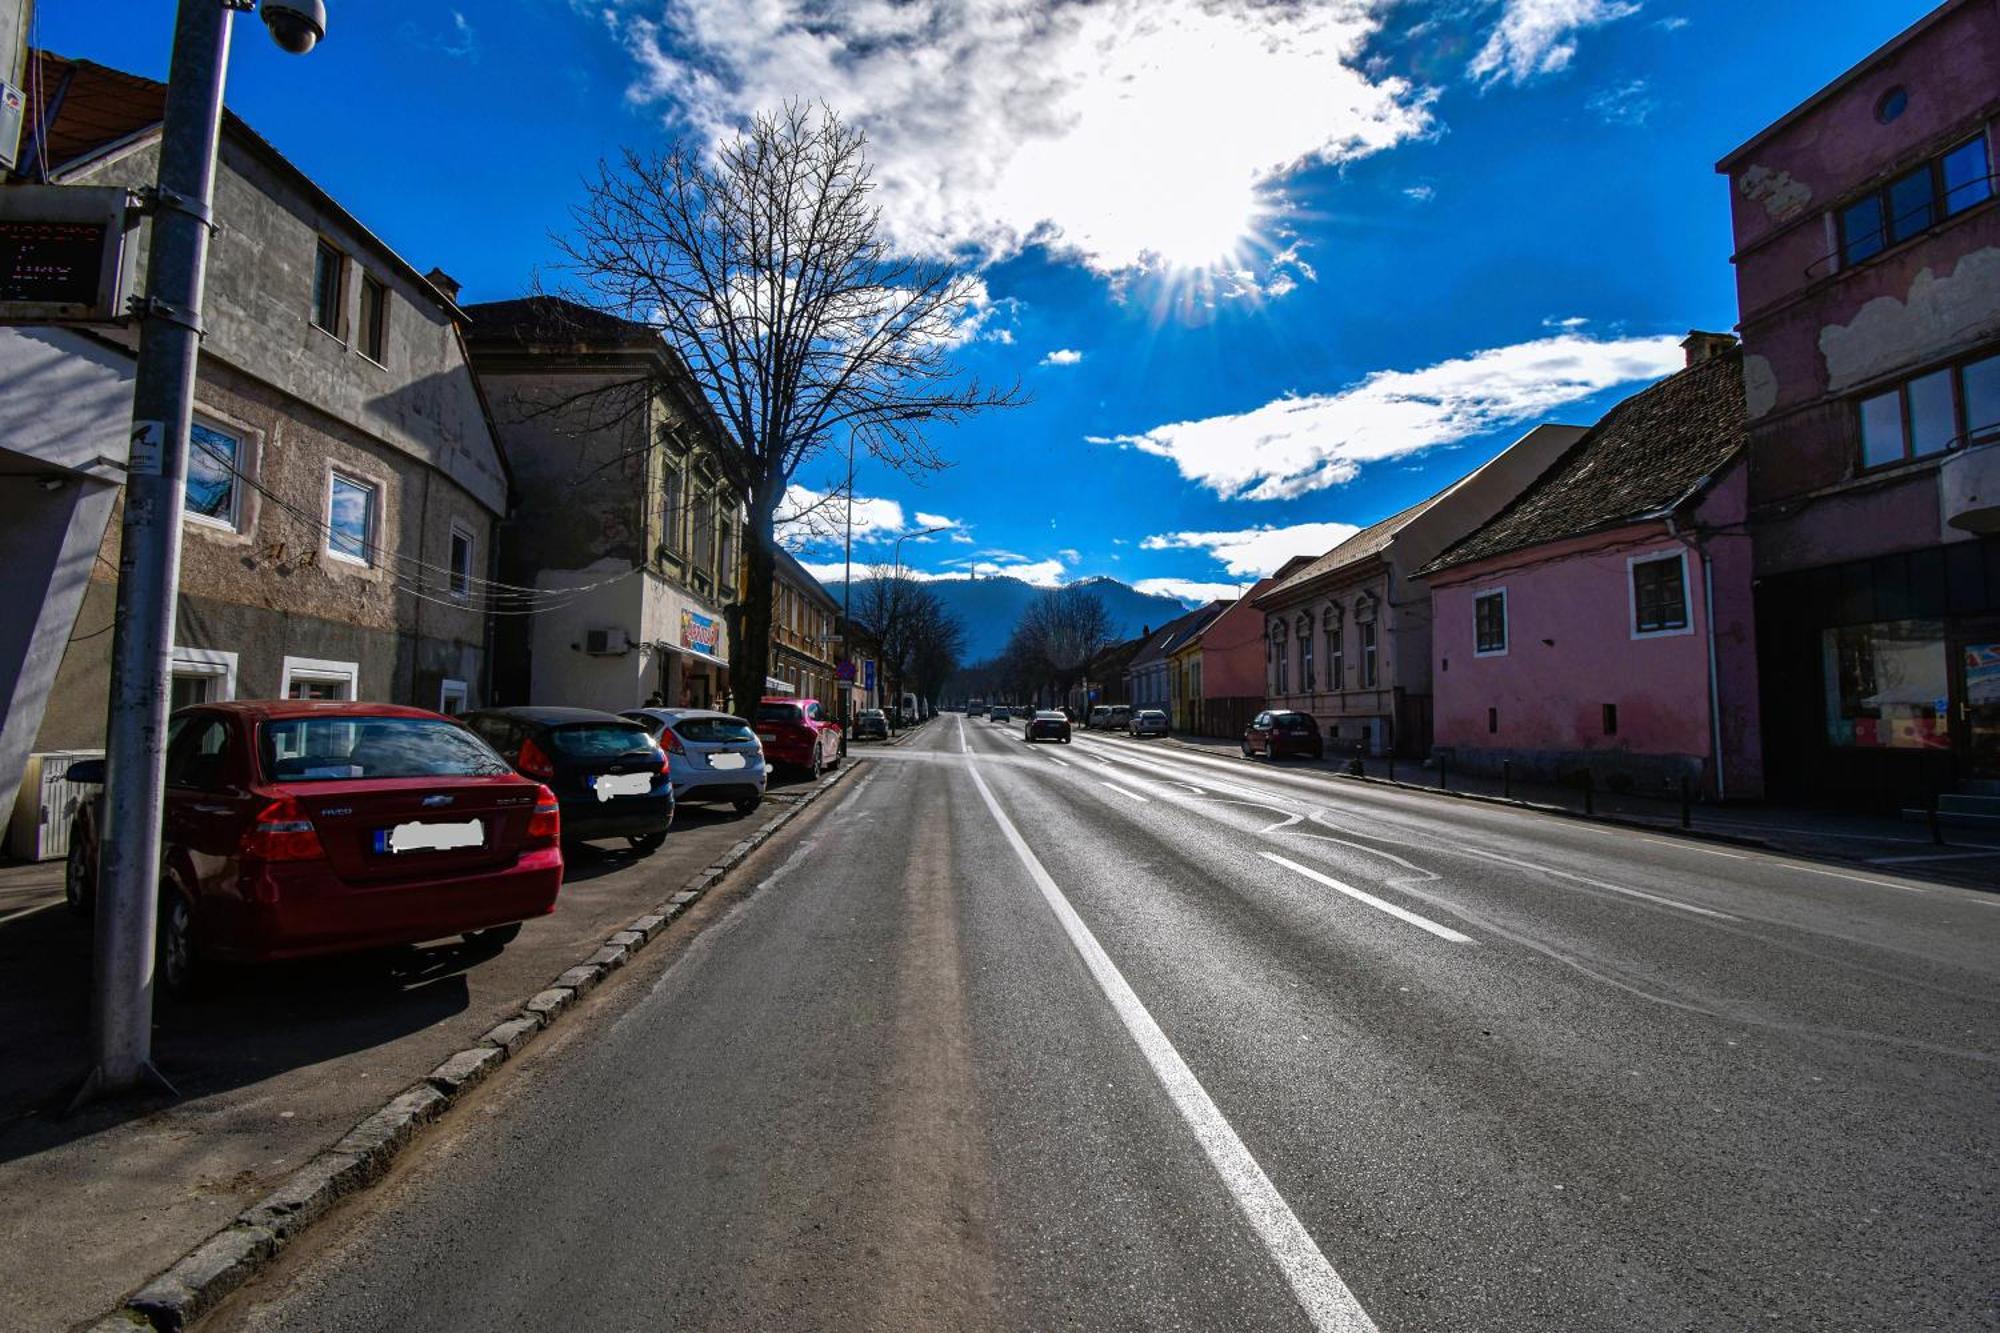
[193,1285]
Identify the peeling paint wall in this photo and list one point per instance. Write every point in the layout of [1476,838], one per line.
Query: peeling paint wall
[1955,307]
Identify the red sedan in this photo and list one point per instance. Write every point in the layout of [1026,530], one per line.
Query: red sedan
[798,733]
[295,827]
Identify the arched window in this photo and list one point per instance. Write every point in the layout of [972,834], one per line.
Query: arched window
[1306,652]
[1280,653]
[1336,647]
[1364,616]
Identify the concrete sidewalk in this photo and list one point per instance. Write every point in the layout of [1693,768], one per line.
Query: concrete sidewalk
[275,1066]
[1893,846]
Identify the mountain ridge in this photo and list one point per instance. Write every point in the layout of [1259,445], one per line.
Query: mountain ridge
[989,607]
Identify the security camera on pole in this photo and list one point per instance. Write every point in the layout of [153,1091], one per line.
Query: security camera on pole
[149,557]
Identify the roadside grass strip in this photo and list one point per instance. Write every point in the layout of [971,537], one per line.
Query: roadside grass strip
[1379,904]
[1324,1298]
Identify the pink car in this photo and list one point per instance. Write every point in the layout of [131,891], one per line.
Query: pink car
[798,733]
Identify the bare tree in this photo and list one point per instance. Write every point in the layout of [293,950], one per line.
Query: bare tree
[762,265]
[1060,632]
[920,640]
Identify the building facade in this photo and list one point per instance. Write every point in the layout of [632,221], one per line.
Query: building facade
[1347,636]
[803,616]
[622,544]
[343,485]
[1149,679]
[1225,688]
[1602,622]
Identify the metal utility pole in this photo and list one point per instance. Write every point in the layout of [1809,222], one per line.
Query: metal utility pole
[847,609]
[149,553]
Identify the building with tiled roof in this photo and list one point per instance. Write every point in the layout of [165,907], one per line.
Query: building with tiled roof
[1601,621]
[1348,633]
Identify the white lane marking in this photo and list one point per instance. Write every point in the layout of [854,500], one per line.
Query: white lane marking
[1842,874]
[1379,904]
[1122,792]
[1595,883]
[1931,856]
[1324,1298]
[1689,846]
[1054,760]
[964,745]
[30,911]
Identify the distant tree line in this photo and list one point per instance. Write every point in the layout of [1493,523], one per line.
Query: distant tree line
[1048,651]
[921,643]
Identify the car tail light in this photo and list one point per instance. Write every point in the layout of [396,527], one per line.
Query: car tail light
[534,762]
[670,741]
[545,825]
[282,833]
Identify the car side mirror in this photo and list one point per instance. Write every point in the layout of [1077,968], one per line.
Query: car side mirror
[89,771]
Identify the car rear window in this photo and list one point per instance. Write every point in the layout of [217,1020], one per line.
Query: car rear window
[338,749]
[599,740]
[714,730]
[1294,722]
[778,712]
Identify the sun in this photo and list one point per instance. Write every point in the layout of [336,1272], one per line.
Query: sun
[1205,229]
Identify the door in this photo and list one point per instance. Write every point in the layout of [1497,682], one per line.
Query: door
[1977,735]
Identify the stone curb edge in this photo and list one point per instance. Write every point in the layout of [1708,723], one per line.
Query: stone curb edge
[177,1298]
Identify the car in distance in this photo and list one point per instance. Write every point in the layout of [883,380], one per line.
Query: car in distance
[1148,722]
[871,724]
[1280,732]
[1047,725]
[1117,717]
[1000,713]
[609,775]
[713,758]
[297,827]
[798,733]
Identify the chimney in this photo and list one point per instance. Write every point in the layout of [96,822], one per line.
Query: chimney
[1701,346]
[447,284]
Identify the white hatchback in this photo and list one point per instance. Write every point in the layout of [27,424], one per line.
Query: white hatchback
[713,758]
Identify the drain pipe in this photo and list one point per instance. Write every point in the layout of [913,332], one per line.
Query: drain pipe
[1693,543]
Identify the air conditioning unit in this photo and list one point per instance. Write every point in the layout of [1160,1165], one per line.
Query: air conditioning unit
[606,642]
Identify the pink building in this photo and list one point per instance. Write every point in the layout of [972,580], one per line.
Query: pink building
[1867,239]
[1603,620]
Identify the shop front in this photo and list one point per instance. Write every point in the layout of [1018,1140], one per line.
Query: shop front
[689,646]
[1881,678]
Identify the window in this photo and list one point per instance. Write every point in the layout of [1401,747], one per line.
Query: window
[350,519]
[374,319]
[1916,200]
[460,562]
[1886,685]
[1306,654]
[329,267]
[725,558]
[1611,719]
[1283,653]
[334,749]
[198,758]
[1492,721]
[316,678]
[1659,594]
[671,520]
[1336,650]
[1489,623]
[1893,104]
[452,697]
[213,492]
[1368,655]
[200,676]
[1931,412]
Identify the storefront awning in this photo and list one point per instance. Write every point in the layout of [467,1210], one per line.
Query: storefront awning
[690,653]
[778,686]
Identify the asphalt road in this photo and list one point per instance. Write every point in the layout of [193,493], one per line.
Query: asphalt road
[1115,1035]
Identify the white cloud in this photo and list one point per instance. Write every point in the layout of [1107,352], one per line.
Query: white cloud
[1117,131]
[806,517]
[1539,36]
[1062,356]
[1298,444]
[1192,591]
[1423,194]
[1251,553]
[1070,554]
[1624,104]
[1568,323]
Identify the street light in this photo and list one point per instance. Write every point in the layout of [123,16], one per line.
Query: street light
[149,557]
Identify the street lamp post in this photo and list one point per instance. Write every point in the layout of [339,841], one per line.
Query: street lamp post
[149,555]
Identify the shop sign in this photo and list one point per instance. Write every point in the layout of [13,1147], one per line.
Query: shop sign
[868,674]
[700,633]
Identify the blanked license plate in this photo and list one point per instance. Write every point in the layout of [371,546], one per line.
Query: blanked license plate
[421,836]
[610,785]
[725,759]
[767,735]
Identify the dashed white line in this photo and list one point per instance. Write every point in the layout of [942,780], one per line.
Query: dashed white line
[1122,792]
[1379,904]
[1327,1302]
[1062,762]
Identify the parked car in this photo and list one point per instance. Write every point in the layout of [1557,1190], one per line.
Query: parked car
[713,758]
[1095,719]
[871,724]
[1148,722]
[798,733]
[1117,717]
[1281,732]
[296,827]
[608,773]
[1048,725]
[1000,713]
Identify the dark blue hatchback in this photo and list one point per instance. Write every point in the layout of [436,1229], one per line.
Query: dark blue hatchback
[607,773]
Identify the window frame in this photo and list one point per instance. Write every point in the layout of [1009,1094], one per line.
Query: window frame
[1371,662]
[373,344]
[1884,236]
[369,543]
[322,246]
[449,689]
[457,585]
[245,447]
[1963,431]
[319,669]
[1656,557]
[1506,624]
[213,663]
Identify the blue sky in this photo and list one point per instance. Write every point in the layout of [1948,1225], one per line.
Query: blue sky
[1268,269]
